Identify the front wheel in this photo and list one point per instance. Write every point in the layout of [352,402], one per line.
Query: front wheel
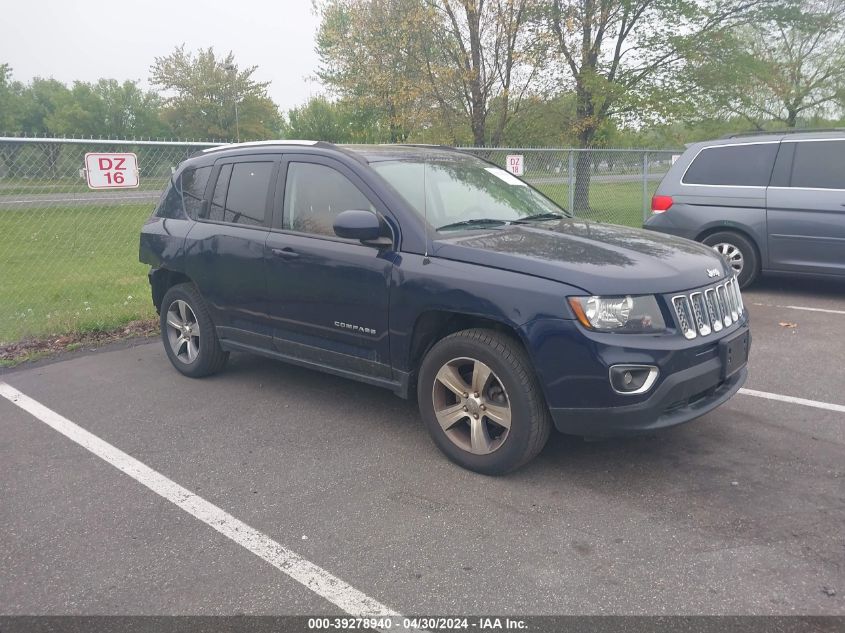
[481,402]
[188,333]
[739,253]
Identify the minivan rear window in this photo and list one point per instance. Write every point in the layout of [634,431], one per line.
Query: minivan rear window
[733,165]
[819,165]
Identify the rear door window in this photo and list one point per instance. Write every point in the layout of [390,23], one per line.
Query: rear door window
[819,165]
[218,199]
[240,193]
[246,201]
[733,166]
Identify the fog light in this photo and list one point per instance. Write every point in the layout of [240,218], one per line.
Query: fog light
[632,379]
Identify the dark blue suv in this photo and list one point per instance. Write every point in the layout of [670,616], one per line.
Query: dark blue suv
[442,277]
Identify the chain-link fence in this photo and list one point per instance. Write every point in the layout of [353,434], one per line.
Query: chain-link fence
[605,185]
[69,254]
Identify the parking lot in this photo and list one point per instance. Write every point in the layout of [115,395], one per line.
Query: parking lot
[740,512]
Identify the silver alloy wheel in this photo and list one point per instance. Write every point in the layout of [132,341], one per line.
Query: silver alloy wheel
[471,405]
[732,254]
[183,332]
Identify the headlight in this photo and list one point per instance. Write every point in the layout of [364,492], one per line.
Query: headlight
[619,314]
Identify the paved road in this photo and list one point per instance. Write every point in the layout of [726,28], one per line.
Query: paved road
[79,199]
[739,513]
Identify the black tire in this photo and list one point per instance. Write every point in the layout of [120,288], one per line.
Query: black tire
[209,357]
[530,422]
[750,260]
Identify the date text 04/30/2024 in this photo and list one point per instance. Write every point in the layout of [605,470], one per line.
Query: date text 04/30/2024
[417,623]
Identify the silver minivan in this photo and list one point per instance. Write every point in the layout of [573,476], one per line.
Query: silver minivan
[767,203]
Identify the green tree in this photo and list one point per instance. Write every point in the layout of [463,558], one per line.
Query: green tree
[446,65]
[210,97]
[128,111]
[37,103]
[336,122]
[624,59]
[371,54]
[8,100]
[486,57]
[787,65]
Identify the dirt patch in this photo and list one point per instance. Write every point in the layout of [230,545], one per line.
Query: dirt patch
[34,349]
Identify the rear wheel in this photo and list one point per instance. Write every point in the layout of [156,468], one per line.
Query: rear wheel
[188,333]
[739,253]
[481,403]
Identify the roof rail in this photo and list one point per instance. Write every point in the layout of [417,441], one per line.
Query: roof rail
[791,130]
[259,144]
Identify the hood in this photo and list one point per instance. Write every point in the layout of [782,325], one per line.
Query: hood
[602,259]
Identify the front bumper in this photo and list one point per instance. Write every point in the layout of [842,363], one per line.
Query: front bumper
[572,366]
[680,398]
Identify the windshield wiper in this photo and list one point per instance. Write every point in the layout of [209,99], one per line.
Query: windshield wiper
[472,222]
[540,217]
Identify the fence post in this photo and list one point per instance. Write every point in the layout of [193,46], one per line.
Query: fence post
[571,176]
[645,187]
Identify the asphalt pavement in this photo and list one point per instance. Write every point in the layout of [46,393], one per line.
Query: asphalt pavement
[80,199]
[740,512]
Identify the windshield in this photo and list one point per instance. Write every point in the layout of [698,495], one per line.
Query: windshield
[463,194]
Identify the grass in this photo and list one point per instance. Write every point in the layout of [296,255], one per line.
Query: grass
[75,269]
[612,202]
[70,269]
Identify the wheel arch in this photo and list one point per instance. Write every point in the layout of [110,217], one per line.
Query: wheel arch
[162,280]
[433,325]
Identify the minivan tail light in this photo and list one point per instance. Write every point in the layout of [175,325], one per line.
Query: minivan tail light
[660,204]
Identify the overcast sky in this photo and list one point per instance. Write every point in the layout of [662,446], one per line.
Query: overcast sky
[86,40]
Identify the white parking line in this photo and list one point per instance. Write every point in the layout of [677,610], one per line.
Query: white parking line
[301,570]
[793,400]
[806,309]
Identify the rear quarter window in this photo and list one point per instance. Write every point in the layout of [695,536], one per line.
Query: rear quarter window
[819,165]
[732,166]
[170,205]
[193,183]
[183,196]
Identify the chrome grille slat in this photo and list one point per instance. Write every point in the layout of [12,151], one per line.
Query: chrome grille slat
[723,305]
[712,309]
[740,307]
[684,314]
[699,310]
[729,291]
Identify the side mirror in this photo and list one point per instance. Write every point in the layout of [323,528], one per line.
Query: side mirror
[359,225]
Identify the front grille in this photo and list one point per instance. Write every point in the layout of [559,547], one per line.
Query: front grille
[703,312]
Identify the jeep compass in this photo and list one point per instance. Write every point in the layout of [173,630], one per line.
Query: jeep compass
[439,276]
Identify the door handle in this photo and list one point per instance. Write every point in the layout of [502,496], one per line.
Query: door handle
[286,252]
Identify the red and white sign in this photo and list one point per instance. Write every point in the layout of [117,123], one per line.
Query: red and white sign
[514,164]
[111,171]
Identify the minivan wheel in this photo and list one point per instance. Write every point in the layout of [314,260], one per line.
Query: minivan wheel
[739,253]
[188,334]
[481,403]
